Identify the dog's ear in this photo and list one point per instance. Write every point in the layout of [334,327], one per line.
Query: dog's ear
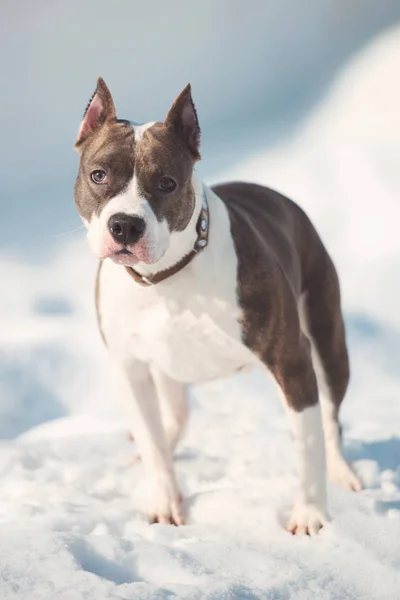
[183,118]
[99,110]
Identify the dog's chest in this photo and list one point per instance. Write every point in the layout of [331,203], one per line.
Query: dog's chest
[189,331]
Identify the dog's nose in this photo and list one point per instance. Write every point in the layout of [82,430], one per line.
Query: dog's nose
[126,229]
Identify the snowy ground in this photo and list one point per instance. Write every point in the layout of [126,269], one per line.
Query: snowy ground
[70,508]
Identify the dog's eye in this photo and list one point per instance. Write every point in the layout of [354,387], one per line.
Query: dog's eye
[99,176]
[167,184]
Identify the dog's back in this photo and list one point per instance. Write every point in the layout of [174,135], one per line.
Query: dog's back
[266,224]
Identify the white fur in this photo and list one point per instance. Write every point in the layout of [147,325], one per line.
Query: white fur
[151,246]
[186,329]
[150,252]
[173,406]
[339,471]
[180,242]
[186,326]
[137,388]
[310,511]
[140,128]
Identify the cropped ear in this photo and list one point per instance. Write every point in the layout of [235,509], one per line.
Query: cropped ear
[99,109]
[183,118]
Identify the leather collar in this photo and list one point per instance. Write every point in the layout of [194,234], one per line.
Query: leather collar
[202,228]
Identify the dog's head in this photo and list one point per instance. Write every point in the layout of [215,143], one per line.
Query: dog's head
[134,186]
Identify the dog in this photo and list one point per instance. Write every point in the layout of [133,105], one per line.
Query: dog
[198,283]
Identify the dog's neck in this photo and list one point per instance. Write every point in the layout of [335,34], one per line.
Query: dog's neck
[181,242]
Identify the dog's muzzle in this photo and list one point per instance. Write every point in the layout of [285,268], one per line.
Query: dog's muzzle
[126,229]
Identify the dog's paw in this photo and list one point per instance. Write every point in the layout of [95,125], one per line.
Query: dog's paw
[173,518]
[166,507]
[307,519]
[341,474]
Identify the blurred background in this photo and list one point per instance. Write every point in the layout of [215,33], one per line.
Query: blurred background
[301,96]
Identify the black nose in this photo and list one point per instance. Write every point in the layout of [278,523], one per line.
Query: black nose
[126,229]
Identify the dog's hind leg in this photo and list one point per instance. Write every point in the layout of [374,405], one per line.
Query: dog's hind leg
[275,337]
[321,321]
[294,373]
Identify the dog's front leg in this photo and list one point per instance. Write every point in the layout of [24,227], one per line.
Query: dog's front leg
[172,397]
[296,378]
[137,388]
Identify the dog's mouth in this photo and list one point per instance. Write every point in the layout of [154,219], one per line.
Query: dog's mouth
[124,257]
[124,251]
[130,257]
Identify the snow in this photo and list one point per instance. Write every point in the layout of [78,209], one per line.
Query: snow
[342,168]
[71,509]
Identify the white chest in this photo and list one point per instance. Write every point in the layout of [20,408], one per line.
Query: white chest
[188,326]
[191,334]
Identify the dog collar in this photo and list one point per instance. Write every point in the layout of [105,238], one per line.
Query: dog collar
[202,228]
